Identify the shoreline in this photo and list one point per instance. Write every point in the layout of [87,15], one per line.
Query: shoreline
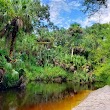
[96,100]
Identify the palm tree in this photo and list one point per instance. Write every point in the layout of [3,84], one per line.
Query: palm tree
[17,14]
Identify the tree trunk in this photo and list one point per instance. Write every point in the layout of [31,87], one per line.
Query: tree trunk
[14,33]
[71,53]
[10,30]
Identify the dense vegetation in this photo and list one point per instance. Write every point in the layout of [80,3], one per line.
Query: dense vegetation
[32,48]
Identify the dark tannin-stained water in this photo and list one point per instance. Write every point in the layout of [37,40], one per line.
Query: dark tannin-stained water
[40,96]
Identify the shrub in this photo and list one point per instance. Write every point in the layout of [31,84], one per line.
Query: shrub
[103,72]
[78,77]
[54,72]
[77,60]
[11,79]
[46,73]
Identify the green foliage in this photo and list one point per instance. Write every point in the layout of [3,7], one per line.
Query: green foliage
[2,61]
[108,80]
[79,77]
[46,73]
[19,64]
[76,60]
[54,72]
[27,15]
[38,45]
[8,66]
[27,43]
[45,56]
[10,79]
[79,60]
[37,52]
[33,72]
[103,72]
[27,10]
[75,31]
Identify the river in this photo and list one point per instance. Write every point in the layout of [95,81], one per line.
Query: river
[41,96]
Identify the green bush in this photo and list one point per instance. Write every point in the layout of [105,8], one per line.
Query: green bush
[77,60]
[19,64]
[2,61]
[108,80]
[54,72]
[78,77]
[33,72]
[46,73]
[11,79]
[103,72]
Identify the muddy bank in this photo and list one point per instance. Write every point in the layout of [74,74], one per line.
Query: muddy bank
[97,100]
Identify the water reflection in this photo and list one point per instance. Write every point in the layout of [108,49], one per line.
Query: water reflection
[40,96]
[65,104]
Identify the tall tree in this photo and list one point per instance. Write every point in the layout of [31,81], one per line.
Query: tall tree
[16,14]
[92,6]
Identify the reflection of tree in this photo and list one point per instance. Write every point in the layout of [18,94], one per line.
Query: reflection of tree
[21,97]
[1,103]
[42,93]
[39,93]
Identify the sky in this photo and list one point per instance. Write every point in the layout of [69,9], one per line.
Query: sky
[66,12]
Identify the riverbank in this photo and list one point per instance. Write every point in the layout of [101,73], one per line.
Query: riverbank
[97,100]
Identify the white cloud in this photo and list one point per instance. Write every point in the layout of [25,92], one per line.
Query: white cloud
[102,16]
[59,6]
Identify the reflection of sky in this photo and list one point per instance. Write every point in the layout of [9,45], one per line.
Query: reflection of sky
[65,12]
